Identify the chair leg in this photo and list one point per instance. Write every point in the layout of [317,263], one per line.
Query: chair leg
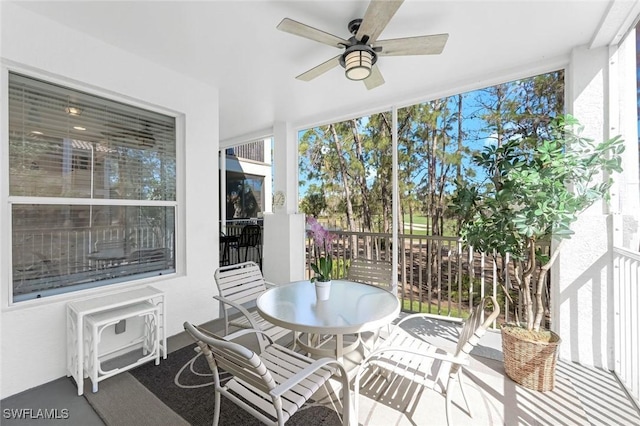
[259,257]
[356,393]
[216,408]
[226,318]
[448,401]
[464,397]
[277,404]
[346,403]
[455,378]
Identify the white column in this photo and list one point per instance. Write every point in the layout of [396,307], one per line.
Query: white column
[222,171]
[395,199]
[582,276]
[284,229]
[268,184]
[624,121]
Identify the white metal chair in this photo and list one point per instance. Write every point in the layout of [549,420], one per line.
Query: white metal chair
[411,357]
[272,385]
[239,286]
[372,272]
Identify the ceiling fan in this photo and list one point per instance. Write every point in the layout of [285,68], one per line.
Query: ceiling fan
[362,49]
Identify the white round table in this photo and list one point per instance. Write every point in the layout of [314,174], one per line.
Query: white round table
[351,308]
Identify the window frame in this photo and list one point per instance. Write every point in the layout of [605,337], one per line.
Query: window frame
[81,290]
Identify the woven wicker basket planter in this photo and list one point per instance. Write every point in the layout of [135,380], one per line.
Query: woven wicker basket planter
[529,363]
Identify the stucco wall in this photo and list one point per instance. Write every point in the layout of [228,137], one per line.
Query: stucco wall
[33,334]
[583,294]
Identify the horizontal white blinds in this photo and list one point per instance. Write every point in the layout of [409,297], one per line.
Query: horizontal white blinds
[92,186]
[67,143]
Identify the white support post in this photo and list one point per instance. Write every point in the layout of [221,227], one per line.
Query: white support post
[284,229]
[581,293]
[395,197]
[223,189]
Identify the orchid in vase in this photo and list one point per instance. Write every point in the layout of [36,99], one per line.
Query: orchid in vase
[322,241]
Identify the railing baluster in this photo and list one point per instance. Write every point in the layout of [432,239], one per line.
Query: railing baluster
[429,274]
[626,319]
[449,280]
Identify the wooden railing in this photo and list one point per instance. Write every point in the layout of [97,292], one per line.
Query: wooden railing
[435,274]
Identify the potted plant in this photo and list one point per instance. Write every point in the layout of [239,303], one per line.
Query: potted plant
[323,260]
[538,187]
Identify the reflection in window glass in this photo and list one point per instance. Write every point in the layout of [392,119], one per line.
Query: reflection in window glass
[114,166]
[244,198]
[63,247]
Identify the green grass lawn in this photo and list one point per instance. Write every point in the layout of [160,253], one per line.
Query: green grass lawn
[432,309]
[420,220]
[420,224]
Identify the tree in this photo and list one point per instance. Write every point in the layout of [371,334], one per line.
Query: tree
[539,186]
[314,201]
[351,160]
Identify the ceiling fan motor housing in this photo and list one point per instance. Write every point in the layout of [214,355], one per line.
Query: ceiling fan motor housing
[354,26]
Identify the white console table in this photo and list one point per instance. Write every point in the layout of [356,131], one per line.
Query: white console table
[114,306]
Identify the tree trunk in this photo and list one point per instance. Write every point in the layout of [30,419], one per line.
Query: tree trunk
[345,182]
[361,179]
[527,290]
[540,287]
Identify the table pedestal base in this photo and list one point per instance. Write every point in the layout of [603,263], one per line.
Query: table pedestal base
[327,345]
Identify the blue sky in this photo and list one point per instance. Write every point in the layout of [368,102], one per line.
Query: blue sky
[473,127]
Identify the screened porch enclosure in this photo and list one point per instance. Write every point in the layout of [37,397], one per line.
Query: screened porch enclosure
[383,185]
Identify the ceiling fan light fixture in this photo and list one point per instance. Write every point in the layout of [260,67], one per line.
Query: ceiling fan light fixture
[357,61]
[357,65]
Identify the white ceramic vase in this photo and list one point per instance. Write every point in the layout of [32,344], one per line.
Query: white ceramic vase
[323,290]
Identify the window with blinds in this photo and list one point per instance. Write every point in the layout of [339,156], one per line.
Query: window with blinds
[92,189]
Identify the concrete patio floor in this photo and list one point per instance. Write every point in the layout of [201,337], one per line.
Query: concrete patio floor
[582,395]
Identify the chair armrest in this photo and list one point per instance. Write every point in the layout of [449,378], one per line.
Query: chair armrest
[270,284]
[378,353]
[244,331]
[279,390]
[203,335]
[431,316]
[240,308]
[442,357]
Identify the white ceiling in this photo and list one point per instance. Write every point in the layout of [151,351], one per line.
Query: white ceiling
[234,45]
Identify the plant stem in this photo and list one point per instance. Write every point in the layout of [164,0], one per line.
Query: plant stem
[543,273]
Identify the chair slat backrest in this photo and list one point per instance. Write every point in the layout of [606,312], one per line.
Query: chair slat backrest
[475,327]
[235,359]
[372,272]
[240,283]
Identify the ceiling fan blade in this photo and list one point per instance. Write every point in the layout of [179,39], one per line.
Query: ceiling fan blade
[320,69]
[421,45]
[375,79]
[294,27]
[376,18]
